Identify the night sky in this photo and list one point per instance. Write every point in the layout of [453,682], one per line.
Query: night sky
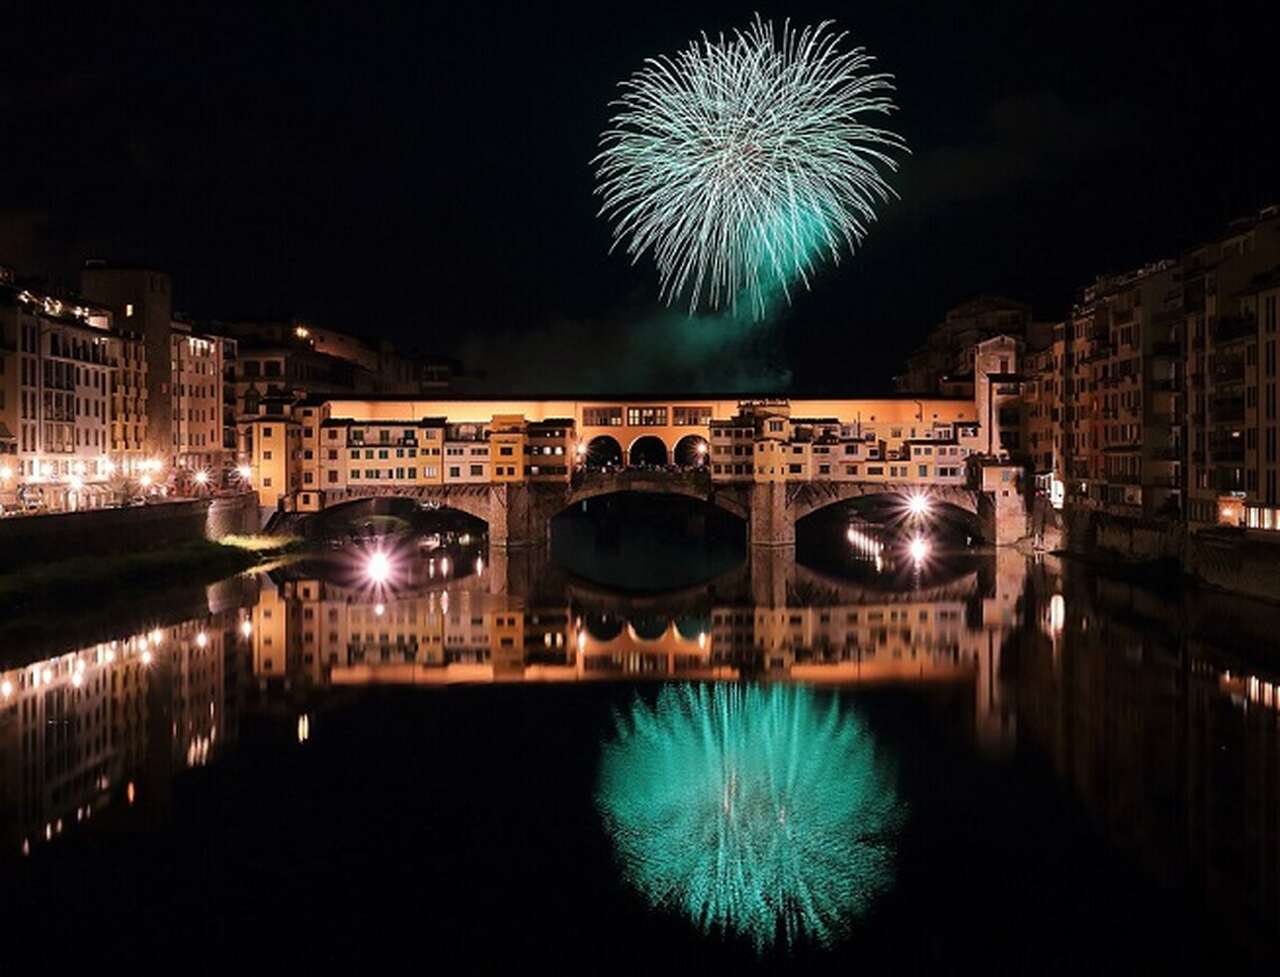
[422,171]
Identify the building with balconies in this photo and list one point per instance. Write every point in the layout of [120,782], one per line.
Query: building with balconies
[1229,288]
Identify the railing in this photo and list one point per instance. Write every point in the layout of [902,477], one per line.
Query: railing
[1228,371]
[1229,452]
[1229,328]
[1229,409]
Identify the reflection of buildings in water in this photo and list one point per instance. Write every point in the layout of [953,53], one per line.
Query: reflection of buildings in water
[108,721]
[1175,754]
[322,632]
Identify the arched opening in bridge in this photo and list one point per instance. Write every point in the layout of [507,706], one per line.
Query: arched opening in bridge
[650,627]
[648,450]
[691,451]
[603,451]
[884,540]
[602,626]
[392,516]
[646,540]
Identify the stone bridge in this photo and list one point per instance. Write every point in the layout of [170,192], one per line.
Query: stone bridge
[521,514]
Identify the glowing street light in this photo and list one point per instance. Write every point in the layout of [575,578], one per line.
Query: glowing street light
[378,567]
[918,505]
[6,473]
[245,472]
[145,481]
[246,628]
[202,478]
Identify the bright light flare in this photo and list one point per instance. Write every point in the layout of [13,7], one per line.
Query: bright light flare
[378,567]
[245,472]
[919,549]
[202,478]
[918,505]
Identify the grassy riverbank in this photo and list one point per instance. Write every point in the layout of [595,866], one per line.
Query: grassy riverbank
[98,578]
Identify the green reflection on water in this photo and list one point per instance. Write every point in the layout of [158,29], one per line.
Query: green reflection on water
[758,811]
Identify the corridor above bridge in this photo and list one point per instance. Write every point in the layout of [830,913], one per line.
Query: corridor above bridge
[750,456]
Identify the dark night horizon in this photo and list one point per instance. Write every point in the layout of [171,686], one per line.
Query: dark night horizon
[424,175]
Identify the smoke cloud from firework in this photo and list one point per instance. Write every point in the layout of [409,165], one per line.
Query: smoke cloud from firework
[653,352]
[745,161]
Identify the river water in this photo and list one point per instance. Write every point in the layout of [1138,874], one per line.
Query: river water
[647,750]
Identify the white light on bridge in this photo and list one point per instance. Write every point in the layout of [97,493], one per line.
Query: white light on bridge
[378,567]
[918,505]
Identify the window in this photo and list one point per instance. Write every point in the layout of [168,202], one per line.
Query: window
[646,416]
[602,417]
[691,416]
[506,452]
[455,471]
[477,470]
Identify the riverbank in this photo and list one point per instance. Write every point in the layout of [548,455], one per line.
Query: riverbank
[1162,551]
[106,577]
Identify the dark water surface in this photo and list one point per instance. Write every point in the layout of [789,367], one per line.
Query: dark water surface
[849,760]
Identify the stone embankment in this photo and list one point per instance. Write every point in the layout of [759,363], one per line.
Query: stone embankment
[1226,559]
[51,537]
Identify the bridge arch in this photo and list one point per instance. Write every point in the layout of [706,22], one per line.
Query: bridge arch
[806,498]
[604,449]
[648,449]
[470,500]
[734,500]
[691,451]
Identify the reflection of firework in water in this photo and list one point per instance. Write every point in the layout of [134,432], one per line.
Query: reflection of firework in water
[753,810]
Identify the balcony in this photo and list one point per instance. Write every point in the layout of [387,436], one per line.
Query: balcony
[1231,450]
[1228,371]
[1228,409]
[1232,328]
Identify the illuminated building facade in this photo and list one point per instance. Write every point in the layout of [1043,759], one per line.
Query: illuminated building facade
[58,360]
[202,441]
[350,443]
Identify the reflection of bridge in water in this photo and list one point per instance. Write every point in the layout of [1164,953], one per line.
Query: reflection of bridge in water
[521,620]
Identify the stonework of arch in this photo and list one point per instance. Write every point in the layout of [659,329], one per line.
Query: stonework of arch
[806,498]
[689,485]
[474,500]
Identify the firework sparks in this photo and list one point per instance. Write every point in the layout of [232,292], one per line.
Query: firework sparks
[743,161]
[754,811]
